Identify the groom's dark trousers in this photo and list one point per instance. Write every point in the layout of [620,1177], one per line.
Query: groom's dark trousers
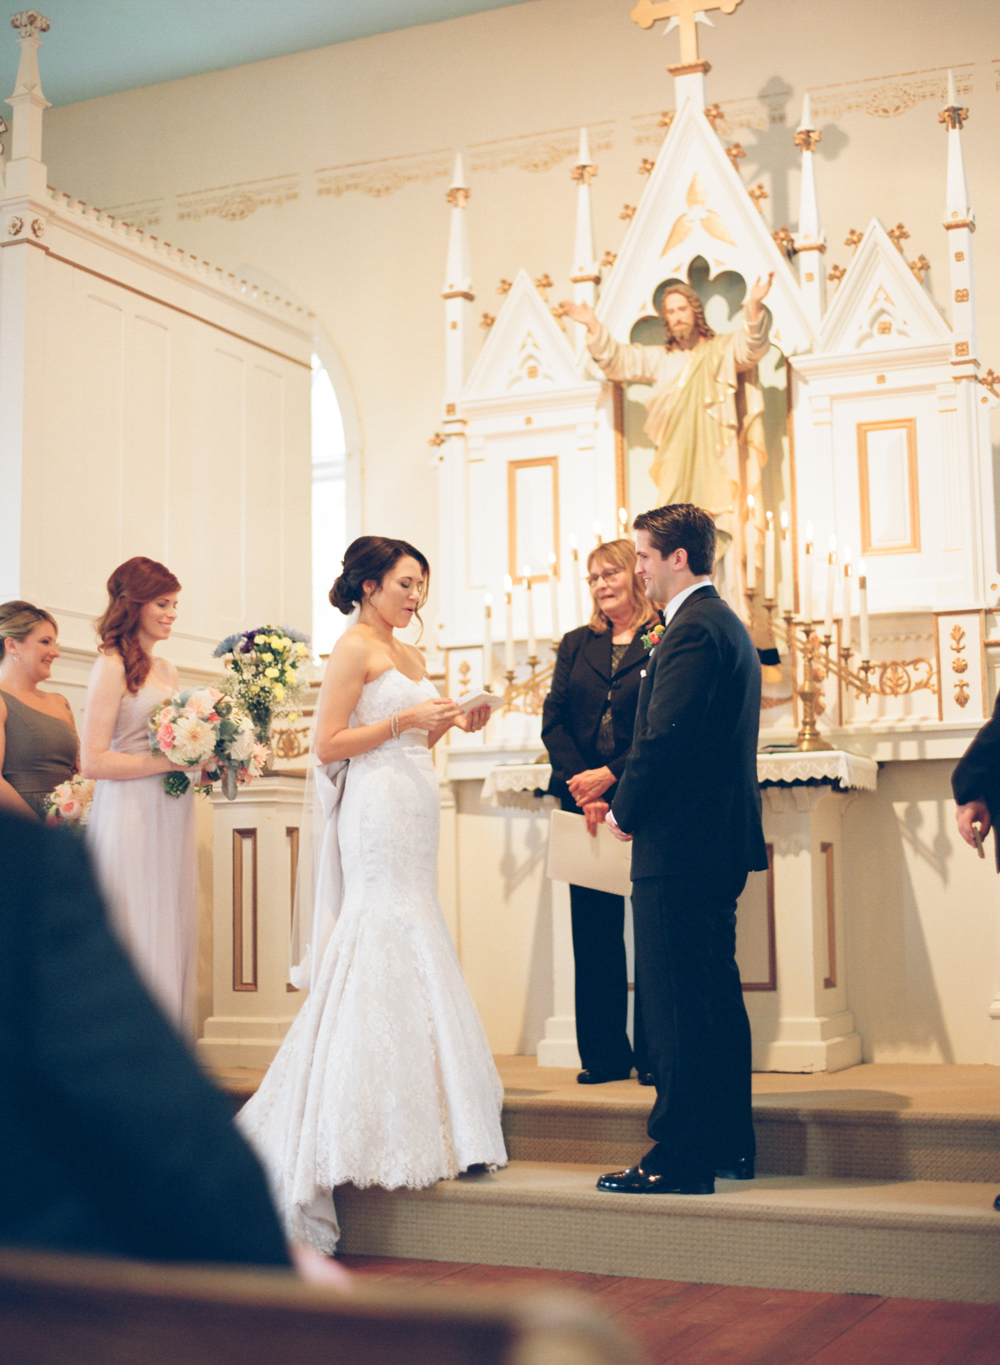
[689,796]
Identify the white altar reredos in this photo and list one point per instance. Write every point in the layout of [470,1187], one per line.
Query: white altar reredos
[877,423]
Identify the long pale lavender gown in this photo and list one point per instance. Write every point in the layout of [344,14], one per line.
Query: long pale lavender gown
[143,845]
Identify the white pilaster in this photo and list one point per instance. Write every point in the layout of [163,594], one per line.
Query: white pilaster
[585,275]
[457,292]
[960,223]
[810,242]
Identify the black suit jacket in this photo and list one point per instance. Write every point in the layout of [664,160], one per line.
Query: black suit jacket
[582,682]
[977,774]
[689,792]
[111,1139]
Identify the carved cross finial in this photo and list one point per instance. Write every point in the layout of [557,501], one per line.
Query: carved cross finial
[608,259]
[646,166]
[436,440]
[785,241]
[836,273]
[684,13]
[920,267]
[30,23]
[735,153]
[807,139]
[627,213]
[583,174]
[458,196]
[758,194]
[504,287]
[487,321]
[899,235]
[543,284]
[853,238]
[991,380]
[715,116]
[665,119]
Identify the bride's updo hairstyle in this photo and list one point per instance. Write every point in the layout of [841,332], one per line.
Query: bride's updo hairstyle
[17,621]
[130,587]
[368,559]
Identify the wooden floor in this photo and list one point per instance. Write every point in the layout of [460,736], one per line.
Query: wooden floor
[701,1324]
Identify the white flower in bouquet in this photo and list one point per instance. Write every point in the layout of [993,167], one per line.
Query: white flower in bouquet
[241,748]
[266,671]
[69,803]
[194,741]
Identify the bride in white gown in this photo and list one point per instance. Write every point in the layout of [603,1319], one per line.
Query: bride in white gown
[385,1077]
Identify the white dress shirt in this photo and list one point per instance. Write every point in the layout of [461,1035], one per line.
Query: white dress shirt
[675,602]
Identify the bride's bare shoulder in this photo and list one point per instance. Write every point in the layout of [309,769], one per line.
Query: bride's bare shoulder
[416,663]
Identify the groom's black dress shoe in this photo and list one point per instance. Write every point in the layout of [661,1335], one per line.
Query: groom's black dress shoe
[740,1169]
[637,1181]
[646,1078]
[601,1077]
[996,1203]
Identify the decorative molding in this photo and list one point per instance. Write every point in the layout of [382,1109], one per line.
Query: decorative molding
[830,980]
[890,96]
[292,835]
[143,214]
[29,23]
[242,981]
[233,203]
[538,152]
[383,177]
[771,984]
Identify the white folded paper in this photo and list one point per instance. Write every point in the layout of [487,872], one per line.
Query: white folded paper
[603,864]
[477,699]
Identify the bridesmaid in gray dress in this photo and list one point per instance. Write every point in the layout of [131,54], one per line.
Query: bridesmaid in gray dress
[38,742]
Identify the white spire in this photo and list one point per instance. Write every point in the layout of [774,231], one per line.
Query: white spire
[954,116]
[585,274]
[25,173]
[810,241]
[457,292]
[458,272]
[960,222]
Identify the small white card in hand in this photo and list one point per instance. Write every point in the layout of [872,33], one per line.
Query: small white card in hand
[477,699]
[603,863]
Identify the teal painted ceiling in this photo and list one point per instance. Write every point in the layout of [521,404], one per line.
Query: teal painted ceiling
[96,47]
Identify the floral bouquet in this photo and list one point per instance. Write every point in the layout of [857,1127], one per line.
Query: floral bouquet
[203,728]
[267,670]
[69,803]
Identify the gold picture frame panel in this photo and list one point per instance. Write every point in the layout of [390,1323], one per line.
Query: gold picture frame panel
[869,546]
[514,567]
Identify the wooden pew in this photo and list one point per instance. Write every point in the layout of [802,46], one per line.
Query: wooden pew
[63,1310]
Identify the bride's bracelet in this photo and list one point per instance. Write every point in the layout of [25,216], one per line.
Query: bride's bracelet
[394,725]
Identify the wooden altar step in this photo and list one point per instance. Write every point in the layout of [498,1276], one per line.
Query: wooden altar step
[876,1180]
[884,1122]
[915,1239]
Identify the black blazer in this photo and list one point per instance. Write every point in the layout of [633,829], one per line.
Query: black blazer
[977,774]
[111,1139]
[581,685]
[689,793]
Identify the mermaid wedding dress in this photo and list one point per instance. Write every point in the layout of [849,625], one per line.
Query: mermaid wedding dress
[385,1077]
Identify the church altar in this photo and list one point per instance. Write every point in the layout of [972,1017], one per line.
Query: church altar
[791,917]
[867,558]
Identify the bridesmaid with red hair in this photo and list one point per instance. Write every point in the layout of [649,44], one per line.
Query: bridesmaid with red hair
[142,840]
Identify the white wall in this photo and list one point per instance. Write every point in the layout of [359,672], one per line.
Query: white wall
[327,169]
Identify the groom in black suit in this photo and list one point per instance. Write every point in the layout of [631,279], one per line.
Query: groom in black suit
[690,803]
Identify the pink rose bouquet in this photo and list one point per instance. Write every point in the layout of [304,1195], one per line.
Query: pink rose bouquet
[205,730]
[69,803]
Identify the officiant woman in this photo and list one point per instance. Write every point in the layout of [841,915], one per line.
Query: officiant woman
[587,729]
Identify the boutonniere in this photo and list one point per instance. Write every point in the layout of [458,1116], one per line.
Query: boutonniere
[653,637]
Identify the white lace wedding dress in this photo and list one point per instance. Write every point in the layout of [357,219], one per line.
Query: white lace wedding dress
[385,1077]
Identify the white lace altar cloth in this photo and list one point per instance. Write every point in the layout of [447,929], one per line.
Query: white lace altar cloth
[514,784]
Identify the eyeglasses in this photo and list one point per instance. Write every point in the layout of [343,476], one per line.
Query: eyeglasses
[604,577]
